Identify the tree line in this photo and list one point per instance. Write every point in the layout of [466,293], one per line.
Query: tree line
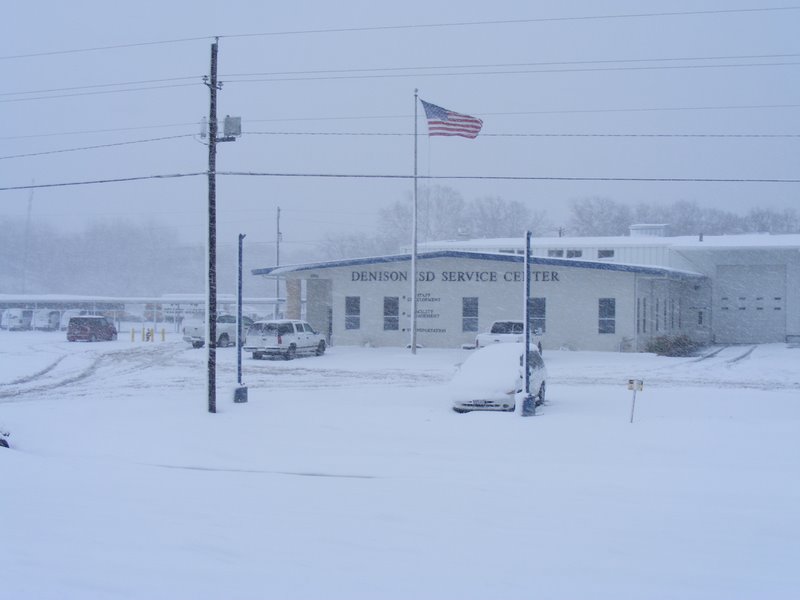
[443,214]
[123,258]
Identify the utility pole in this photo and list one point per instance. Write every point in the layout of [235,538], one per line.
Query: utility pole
[278,263]
[211,287]
[232,129]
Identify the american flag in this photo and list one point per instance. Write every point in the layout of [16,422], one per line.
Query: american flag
[446,122]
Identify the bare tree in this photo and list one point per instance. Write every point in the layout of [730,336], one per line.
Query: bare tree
[599,216]
[770,221]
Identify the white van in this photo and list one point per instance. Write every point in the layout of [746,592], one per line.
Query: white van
[45,319]
[16,319]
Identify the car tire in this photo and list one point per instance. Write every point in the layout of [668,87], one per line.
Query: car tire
[320,348]
[258,355]
[290,353]
[197,344]
[460,411]
[3,443]
[224,341]
[540,396]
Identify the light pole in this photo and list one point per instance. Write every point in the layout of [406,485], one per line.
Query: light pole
[240,395]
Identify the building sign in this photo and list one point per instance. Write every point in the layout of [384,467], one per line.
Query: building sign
[454,276]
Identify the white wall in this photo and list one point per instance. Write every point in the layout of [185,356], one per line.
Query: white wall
[571,295]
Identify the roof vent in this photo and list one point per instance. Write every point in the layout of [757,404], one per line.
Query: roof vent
[649,230]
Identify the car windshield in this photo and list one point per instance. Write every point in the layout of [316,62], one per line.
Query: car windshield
[507,327]
[83,321]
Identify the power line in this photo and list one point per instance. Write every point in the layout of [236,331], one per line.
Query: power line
[102,85]
[521,21]
[568,135]
[516,72]
[377,74]
[545,112]
[99,92]
[87,131]
[755,10]
[98,48]
[101,181]
[510,65]
[407,177]
[384,117]
[397,69]
[161,139]
[510,177]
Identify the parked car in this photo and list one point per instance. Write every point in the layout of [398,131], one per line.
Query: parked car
[287,338]
[493,378]
[195,333]
[88,328]
[507,331]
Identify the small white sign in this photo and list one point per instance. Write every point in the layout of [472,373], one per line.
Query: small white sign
[635,384]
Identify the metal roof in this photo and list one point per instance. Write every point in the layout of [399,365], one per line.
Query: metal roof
[493,256]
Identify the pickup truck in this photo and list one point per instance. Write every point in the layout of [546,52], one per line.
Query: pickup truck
[507,331]
[286,337]
[195,333]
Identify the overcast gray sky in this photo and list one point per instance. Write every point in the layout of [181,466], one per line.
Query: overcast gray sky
[575,67]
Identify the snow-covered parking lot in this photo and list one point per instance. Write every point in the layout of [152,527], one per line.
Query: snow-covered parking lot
[348,476]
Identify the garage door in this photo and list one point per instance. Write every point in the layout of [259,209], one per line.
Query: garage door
[750,304]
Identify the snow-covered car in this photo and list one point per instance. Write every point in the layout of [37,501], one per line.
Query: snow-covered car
[493,378]
[507,330]
[195,333]
[286,337]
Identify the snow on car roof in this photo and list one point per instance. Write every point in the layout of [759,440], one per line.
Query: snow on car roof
[493,369]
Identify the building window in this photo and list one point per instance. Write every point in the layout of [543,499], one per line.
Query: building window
[657,314]
[644,315]
[555,253]
[538,313]
[607,322]
[352,312]
[605,254]
[638,315]
[391,313]
[574,253]
[469,314]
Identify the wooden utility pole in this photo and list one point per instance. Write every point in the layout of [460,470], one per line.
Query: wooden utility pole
[211,300]
[211,289]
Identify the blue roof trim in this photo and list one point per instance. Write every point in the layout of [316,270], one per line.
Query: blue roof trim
[498,257]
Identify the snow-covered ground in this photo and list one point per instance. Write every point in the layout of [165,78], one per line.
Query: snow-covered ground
[348,476]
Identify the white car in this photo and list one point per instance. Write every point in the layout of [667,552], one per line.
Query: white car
[286,337]
[507,330]
[493,378]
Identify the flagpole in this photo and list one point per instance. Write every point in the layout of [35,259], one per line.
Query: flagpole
[414,241]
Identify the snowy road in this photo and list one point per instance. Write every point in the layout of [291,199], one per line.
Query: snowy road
[348,476]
